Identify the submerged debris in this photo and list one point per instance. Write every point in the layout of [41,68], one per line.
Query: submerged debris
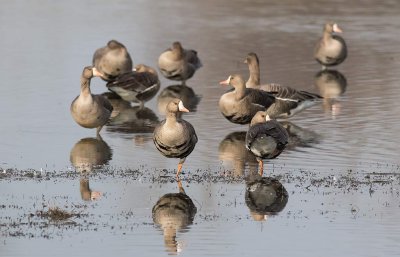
[56,214]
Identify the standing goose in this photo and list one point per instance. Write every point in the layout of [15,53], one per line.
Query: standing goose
[241,104]
[90,111]
[266,138]
[112,60]
[175,137]
[179,64]
[288,102]
[331,49]
[138,85]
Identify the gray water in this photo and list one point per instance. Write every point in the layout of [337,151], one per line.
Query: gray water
[45,45]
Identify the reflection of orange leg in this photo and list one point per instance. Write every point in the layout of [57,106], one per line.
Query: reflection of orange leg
[180,187]
[260,167]
[179,167]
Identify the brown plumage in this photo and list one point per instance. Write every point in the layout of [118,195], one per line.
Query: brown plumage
[112,60]
[240,105]
[175,137]
[289,101]
[90,111]
[138,86]
[266,138]
[179,64]
[330,49]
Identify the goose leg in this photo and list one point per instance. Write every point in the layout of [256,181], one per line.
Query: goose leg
[98,130]
[180,167]
[260,167]
[141,106]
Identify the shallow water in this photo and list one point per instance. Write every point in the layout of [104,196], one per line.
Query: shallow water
[46,44]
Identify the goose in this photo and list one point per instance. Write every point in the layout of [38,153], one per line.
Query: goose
[175,137]
[266,138]
[240,105]
[90,111]
[138,86]
[330,49]
[112,60]
[179,64]
[289,101]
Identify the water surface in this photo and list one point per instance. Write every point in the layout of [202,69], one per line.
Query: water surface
[46,44]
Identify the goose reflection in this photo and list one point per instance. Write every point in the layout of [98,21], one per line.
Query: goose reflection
[174,212]
[127,119]
[86,155]
[87,194]
[331,85]
[186,94]
[232,149]
[265,196]
[298,136]
[89,154]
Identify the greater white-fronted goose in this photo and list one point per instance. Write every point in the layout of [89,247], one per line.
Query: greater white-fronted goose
[112,60]
[179,64]
[265,196]
[266,138]
[175,137]
[240,105]
[331,49]
[138,85]
[173,212]
[90,111]
[289,101]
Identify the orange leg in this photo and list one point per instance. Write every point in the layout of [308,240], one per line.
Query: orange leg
[179,170]
[260,167]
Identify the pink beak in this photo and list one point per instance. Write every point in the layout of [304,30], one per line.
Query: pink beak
[225,82]
[337,29]
[182,108]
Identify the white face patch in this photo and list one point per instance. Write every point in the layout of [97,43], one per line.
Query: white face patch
[267,118]
[336,28]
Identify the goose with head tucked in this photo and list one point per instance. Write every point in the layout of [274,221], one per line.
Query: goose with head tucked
[112,60]
[266,138]
[289,101]
[330,49]
[138,86]
[90,111]
[175,137]
[241,104]
[179,64]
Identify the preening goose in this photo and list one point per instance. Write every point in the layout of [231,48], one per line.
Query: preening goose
[179,64]
[112,60]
